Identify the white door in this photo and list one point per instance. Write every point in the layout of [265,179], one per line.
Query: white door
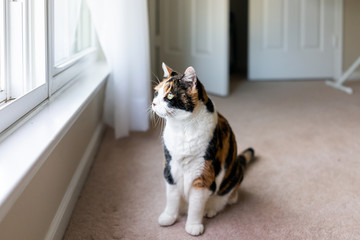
[291,39]
[195,33]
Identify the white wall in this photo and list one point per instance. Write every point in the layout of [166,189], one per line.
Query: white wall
[33,212]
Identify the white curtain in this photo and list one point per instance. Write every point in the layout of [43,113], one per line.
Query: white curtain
[123,30]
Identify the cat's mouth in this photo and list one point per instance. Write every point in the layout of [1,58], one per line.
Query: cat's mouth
[158,112]
[160,115]
[163,113]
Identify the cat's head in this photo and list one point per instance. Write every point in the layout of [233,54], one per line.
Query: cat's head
[178,95]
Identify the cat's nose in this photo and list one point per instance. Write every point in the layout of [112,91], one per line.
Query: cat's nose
[153,104]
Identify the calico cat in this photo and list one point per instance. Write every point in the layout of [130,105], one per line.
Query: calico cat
[202,169]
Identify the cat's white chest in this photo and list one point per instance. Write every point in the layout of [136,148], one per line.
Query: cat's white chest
[187,145]
[183,143]
[189,140]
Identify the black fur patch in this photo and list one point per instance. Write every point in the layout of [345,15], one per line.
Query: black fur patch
[230,182]
[211,150]
[220,137]
[167,154]
[167,174]
[230,154]
[210,106]
[170,80]
[242,160]
[182,100]
[177,102]
[200,89]
[213,186]
[217,166]
[167,170]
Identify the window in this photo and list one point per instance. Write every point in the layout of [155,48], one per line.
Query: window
[72,26]
[41,49]
[23,59]
[2,54]
[73,38]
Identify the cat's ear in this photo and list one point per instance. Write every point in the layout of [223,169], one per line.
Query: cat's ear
[167,70]
[190,75]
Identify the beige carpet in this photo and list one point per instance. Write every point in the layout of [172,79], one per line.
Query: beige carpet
[305,184]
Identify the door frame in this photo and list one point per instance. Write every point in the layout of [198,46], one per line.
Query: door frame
[154,32]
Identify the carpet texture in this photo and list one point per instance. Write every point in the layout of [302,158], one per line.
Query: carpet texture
[305,183]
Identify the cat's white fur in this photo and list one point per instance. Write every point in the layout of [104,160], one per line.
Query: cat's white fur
[187,136]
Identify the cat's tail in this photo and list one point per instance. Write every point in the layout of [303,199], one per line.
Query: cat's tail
[246,157]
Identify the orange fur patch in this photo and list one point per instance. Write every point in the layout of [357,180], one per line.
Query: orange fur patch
[207,177]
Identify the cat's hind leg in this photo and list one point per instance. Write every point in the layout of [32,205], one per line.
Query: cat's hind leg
[214,205]
[233,197]
[183,209]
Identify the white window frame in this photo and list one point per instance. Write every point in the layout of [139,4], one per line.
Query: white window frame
[13,110]
[2,53]
[55,77]
[67,71]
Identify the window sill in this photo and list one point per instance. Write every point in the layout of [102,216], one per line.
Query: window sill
[23,151]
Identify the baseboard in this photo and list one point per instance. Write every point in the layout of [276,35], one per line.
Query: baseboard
[63,214]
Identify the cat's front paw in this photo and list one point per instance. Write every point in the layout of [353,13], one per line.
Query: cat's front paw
[194,229]
[166,219]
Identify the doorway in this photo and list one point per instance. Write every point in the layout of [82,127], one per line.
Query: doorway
[239,38]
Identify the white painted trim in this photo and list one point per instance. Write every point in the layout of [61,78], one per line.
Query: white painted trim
[62,217]
[2,50]
[71,71]
[60,74]
[14,110]
[19,167]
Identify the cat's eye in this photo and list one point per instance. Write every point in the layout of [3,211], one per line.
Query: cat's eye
[170,96]
[155,93]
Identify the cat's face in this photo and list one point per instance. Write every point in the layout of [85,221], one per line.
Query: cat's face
[176,95]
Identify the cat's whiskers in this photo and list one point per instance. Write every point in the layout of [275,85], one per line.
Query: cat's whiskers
[154,82]
[158,80]
[156,120]
[152,115]
[171,113]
